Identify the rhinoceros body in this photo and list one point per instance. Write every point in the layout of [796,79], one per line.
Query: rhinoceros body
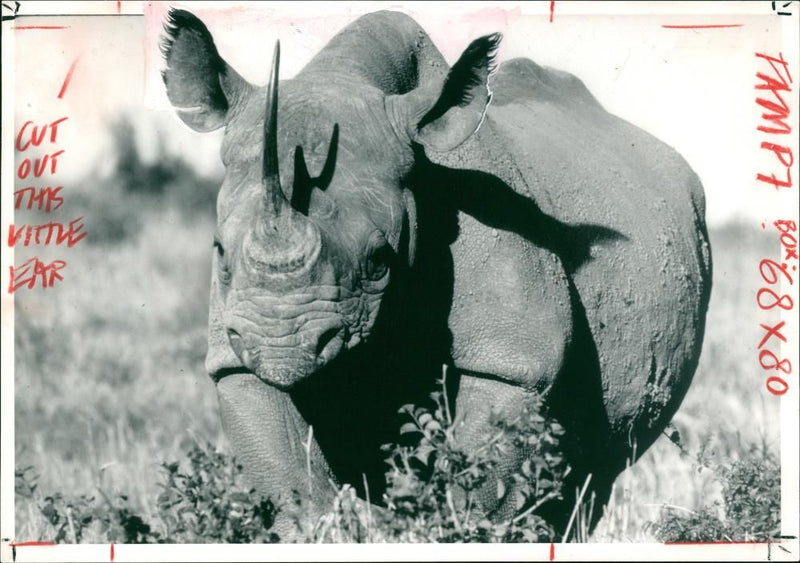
[390,223]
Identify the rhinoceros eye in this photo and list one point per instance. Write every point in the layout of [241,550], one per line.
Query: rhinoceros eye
[378,258]
[223,271]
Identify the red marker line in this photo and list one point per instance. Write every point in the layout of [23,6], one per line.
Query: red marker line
[717,543]
[552,8]
[552,551]
[40,27]
[30,543]
[112,552]
[714,26]
[68,78]
[119,10]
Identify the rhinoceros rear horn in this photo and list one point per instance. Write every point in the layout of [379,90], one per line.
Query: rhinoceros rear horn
[273,197]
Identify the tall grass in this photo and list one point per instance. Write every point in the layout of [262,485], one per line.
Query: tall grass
[109,377]
[110,381]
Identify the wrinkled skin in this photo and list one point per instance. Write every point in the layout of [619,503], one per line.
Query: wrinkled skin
[542,245]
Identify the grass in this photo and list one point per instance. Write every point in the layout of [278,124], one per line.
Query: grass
[109,377]
[109,365]
[111,389]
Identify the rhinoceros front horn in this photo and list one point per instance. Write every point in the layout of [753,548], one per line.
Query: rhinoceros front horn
[281,241]
[274,200]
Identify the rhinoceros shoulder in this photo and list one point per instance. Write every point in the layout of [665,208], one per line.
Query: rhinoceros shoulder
[644,291]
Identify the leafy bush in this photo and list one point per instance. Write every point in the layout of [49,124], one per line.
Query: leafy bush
[434,491]
[210,504]
[74,518]
[207,504]
[751,504]
[434,486]
[432,494]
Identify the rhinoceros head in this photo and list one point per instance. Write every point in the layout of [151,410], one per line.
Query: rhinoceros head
[314,219]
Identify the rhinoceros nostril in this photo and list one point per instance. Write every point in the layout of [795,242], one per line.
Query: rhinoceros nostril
[237,343]
[325,339]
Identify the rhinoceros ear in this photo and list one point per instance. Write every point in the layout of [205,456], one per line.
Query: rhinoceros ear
[442,119]
[200,84]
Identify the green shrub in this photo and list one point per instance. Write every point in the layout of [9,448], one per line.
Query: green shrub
[433,485]
[209,503]
[206,504]
[72,519]
[432,493]
[751,491]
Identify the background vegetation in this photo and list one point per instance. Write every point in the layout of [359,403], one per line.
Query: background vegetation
[118,435]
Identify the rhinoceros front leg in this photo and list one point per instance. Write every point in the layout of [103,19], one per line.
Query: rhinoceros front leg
[275,446]
[478,398]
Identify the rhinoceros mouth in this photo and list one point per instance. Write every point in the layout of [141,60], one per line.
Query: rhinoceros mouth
[285,368]
[221,373]
[283,362]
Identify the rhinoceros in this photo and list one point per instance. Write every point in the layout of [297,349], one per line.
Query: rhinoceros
[383,214]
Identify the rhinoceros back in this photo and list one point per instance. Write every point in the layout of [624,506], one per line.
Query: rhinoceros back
[644,292]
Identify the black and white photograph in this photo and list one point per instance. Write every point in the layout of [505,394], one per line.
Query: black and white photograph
[373,281]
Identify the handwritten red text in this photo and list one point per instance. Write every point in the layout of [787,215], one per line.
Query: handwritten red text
[775,120]
[778,273]
[46,198]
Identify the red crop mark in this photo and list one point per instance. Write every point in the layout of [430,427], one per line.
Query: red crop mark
[40,27]
[119,11]
[112,552]
[717,543]
[30,543]
[552,551]
[68,78]
[552,9]
[711,26]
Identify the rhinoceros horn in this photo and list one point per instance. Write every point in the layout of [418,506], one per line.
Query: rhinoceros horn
[274,200]
[282,241]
